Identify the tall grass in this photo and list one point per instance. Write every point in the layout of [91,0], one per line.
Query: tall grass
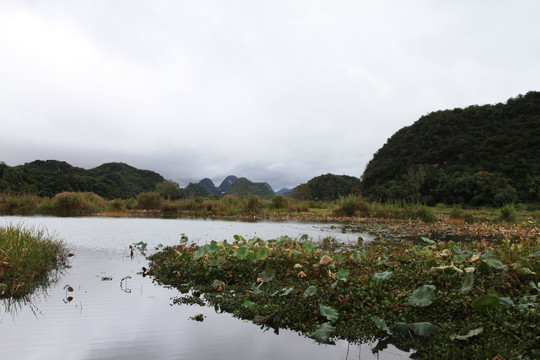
[23,204]
[352,205]
[73,204]
[357,206]
[27,257]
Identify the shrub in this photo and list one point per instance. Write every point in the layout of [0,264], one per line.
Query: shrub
[352,205]
[508,213]
[504,196]
[149,201]
[71,203]
[280,202]
[170,208]
[253,205]
[18,204]
[116,205]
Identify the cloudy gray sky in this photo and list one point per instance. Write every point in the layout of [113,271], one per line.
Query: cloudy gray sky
[276,91]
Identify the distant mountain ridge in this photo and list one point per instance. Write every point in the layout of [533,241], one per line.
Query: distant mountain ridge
[240,187]
[50,177]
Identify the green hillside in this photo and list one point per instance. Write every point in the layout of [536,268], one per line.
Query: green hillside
[327,187]
[242,187]
[50,177]
[480,155]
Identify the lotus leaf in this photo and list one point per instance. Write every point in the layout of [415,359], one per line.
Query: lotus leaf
[310,247]
[267,275]
[427,240]
[496,264]
[324,332]
[467,283]
[381,324]
[424,328]
[342,274]
[423,296]
[310,291]
[199,253]
[329,312]
[261,253]
[487,302]
[385,275]
[470,334]
[242,252]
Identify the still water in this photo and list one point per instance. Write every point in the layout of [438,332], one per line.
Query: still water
[115,313]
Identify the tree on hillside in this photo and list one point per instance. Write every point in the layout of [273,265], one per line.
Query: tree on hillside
[327,188]
[168,189]
[480,155]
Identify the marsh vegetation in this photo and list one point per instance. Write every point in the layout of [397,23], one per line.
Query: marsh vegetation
[29,259]
[472,299]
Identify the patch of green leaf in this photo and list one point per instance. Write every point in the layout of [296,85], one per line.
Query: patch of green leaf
[310,247]
[486,302]
[467,283]
[267,275]
[496,264]
[242,252]
[324,332]
[382,276]
[381,324]
[328,312]
[423,296]
[310,291]
[424,328]
[470,334]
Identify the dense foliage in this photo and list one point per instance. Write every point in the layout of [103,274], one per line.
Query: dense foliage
[472,300]
[480,155]
[327,187]
[50,177]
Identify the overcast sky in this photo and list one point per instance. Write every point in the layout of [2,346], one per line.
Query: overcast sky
[276,91]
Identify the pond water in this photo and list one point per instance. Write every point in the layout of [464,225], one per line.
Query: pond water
[115,313]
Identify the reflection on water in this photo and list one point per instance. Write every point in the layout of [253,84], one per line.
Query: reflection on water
[103,308]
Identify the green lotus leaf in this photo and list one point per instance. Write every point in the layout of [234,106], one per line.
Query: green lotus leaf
[267,275]
[385,275]
[496,264]
[423,296]
[329,312]
[310,291]
[324,332]
[470,334]
[423,328]
[381,324]
[487,302]
[467,283]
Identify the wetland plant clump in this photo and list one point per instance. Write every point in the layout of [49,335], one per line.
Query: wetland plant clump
[27,258]
[442,299]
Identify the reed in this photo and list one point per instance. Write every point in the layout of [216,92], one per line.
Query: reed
[27,259]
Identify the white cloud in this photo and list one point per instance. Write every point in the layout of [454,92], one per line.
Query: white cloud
[276,92]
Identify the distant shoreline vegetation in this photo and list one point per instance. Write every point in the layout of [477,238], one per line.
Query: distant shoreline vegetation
[352,208]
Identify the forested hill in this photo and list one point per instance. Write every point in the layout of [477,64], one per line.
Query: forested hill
[480,155]
[47,178]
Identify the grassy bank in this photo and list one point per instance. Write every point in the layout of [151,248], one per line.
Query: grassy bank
[473,300]
[27,258]
[280,207]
